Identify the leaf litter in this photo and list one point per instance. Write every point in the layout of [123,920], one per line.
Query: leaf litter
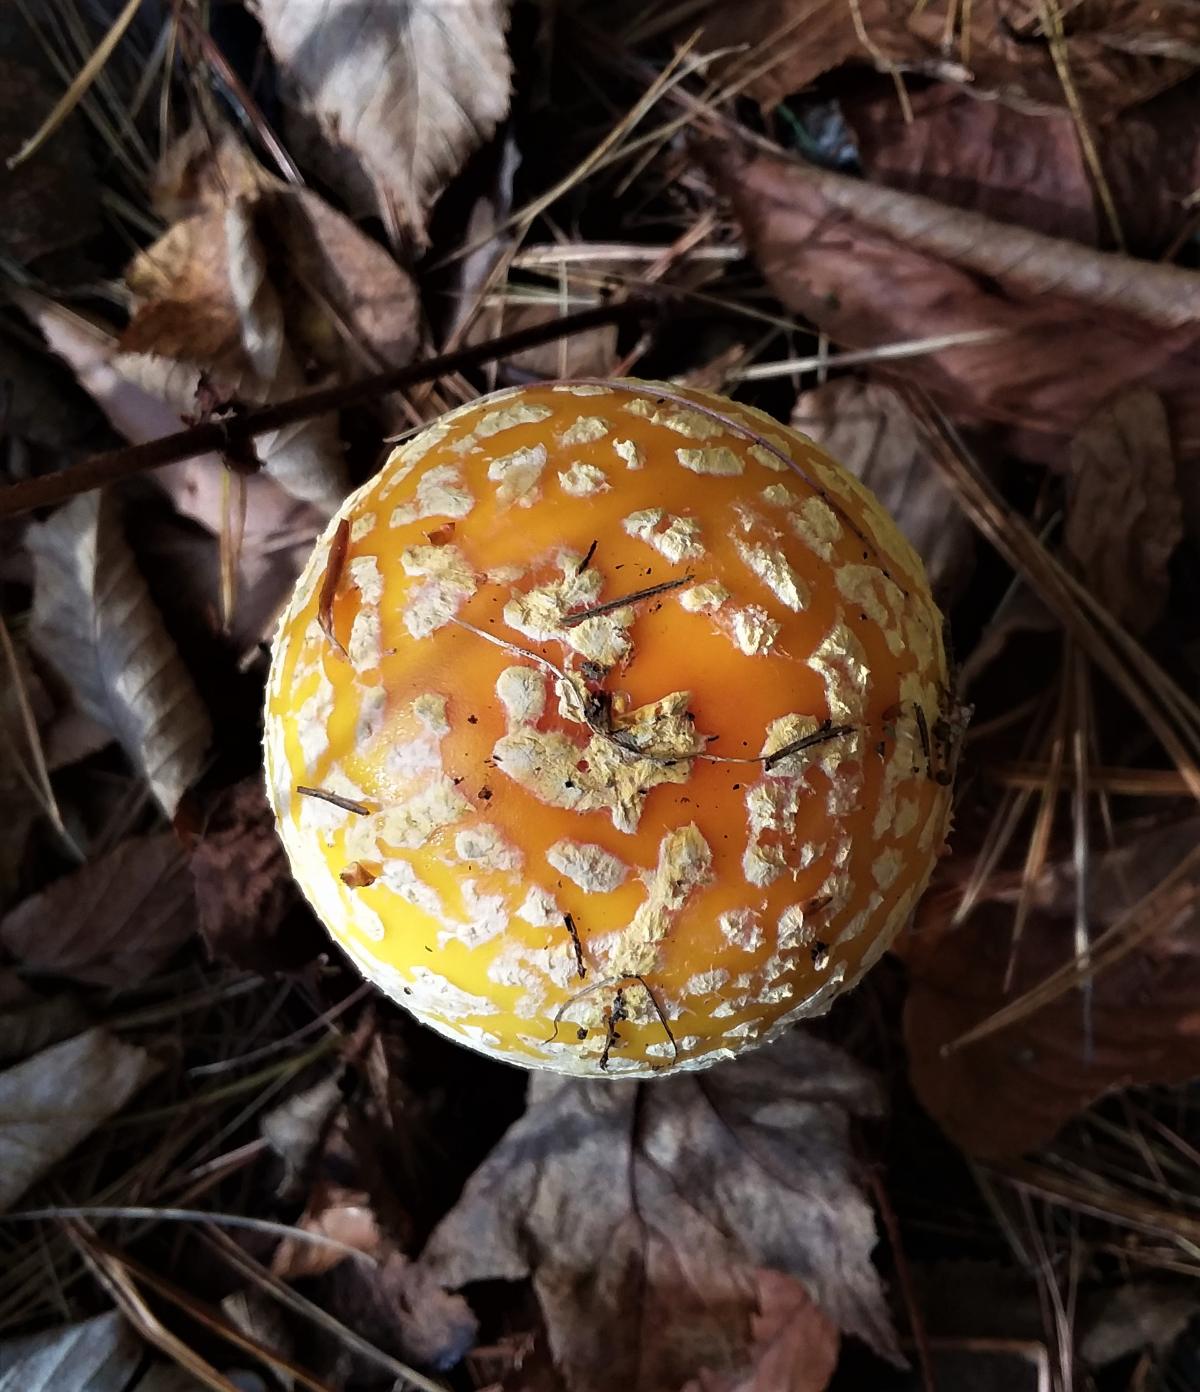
[945,310]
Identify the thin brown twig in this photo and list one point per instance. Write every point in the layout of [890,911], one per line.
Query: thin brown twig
[234,435]
[609,605]
[334,800]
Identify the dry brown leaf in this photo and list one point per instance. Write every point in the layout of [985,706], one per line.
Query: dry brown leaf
[1029,167]
[794,1348]
[1124,517]
[1011,1091]
[644,1212]
[410,87]
[94,621]
[57,1098]
[114,922]
[1118,52]
[245,894]
[870,430]
[871,266]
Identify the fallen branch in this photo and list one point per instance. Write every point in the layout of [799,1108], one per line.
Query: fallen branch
[234,434]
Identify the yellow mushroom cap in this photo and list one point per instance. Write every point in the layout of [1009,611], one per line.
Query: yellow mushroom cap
[578,826]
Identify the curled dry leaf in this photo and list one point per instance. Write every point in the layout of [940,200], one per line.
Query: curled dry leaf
[1118,52]
[1124,517]
[645,1213]
[1011,1091]
[113,922]
[57,1098]
[94,621]
[1071,326]
[245,895]
[869,428]
[1028,167]
[408,87]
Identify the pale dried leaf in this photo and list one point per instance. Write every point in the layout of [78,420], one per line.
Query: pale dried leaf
[873,266]
[795,1347]
[98,1355]
[94,621]
[296,1127]
[869,429]
[1124,517]
[113,922]
[411,87]
[643,1212]
[343,1214]
[57,1098]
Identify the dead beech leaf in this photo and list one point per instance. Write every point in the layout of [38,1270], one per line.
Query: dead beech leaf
[94,621]
[57,1098]
[1119,52]
[113,922]
[245,894]
[871,431]
[410,87]
[1124,517]
[1028,167]
[871,265]
[100,1354]
[794,1346]
[644,1212]
[1009,1092]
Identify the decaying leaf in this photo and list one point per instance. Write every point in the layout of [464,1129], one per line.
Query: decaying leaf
[113,922]
[94,621]
[57,1098]
[1068,327]
[794,1348]
[29,1020]
[245,894]
[1011,1091]
[1124,517]
[644,1212]
[410,87]
[1117,53]
[1028,166]
[101,1355]
[869,429]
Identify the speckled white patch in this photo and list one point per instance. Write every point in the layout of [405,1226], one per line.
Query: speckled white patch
[841,663]
[449,583]
[768,459]
[589,866]
[413,822]
[705,983]
[779,495]
[320,818]
[435,994]
[584,430]
[584,480]
[742,928]
[540,611]
[785,730]
[629,451]
[485,847]
[678,540]
[402,879]
[540,908]
[522,693]
[518,475]
[366,577]
[905,818]
[312,722]
[372,710]
[718,459]
[770,565]
[695,425]
[878,597]
[362,526]
[487,918]
[523,413]
[365,648]
[440,493]
[754,631]
[886,866]
[684,866]
[583,389]
[817,526]
[705,598]
[793,932]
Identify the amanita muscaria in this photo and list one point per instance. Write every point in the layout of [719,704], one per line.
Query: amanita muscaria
[608,727]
